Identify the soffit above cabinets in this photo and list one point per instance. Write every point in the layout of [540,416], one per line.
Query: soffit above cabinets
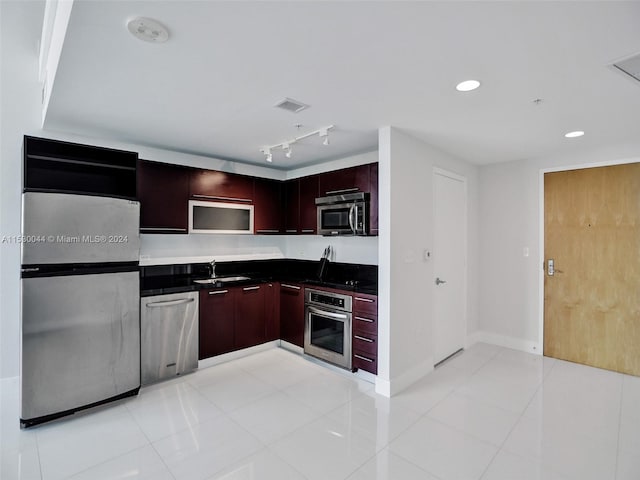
[211,88]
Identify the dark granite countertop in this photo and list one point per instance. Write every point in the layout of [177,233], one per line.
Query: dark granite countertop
[165,279]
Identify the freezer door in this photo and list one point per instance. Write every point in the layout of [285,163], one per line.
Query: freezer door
[64,228]
[80,341]
[169,330]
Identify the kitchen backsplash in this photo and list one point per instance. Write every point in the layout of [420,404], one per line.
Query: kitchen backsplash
[247,247]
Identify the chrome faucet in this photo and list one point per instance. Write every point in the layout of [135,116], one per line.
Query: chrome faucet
[212,267]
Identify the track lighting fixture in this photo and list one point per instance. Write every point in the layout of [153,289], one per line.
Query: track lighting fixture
[286,145]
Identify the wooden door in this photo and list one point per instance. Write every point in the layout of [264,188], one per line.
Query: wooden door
[592,233]
[272,311]
[163,191]
[216,322]
[250,317]
[268,217]
[308,210]
[291,200]
[346,180]
[292,313]
[215,185]
[449,257]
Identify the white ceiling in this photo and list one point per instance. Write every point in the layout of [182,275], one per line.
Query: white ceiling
[211,88]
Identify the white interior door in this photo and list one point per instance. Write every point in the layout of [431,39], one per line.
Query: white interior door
[449,256]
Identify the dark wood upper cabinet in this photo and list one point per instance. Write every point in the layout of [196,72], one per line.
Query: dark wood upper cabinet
[216,322]
[373,199]
[163,191]
[291,206]
[292,313]
[268,211]
[308,212]
[346,180]
[250,316]
[223,186]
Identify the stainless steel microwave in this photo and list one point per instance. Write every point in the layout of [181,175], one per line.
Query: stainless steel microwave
[219,217]
[346,214]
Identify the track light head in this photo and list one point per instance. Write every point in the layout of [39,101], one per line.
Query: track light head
[287,150]
[324,134]
[268,154]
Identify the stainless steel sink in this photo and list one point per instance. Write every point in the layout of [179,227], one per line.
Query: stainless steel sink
[221,280]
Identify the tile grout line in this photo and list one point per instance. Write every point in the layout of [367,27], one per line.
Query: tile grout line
[615,473]
[501,447]
[151,444]
[39,459]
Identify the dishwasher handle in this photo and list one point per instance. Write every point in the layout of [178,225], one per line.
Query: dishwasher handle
[170,303]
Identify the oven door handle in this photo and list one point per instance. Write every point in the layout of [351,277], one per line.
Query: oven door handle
[351,218]
[324,313]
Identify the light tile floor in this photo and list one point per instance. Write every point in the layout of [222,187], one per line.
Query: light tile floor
[489,413]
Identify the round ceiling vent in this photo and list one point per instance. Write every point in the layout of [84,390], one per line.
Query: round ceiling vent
[148,30]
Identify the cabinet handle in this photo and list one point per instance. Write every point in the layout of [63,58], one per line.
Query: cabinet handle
[214,197]
[170,303]
[368,320]
[292,231]
[363,358]
[156,229]
[344,190]
[308,230]
[289,286]
[368,300]
[363,338]
[267,231]
[246,289]
[218,292]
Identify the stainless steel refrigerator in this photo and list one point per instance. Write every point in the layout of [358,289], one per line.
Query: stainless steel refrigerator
[80,303]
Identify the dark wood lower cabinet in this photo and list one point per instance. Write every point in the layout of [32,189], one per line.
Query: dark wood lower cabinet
[272,311]
[216,330]
[238,317]
[250,316]
[364,330]
[292,313]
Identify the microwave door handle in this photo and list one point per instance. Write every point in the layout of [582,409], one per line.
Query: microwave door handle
[351,221]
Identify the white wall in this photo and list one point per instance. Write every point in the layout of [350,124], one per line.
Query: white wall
[510,287]
[19,114]
[405,315]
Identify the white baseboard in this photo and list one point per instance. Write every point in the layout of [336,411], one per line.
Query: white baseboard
[504,341]
[245,352]
[389,388]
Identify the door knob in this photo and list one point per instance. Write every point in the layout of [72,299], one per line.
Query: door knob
[439,282]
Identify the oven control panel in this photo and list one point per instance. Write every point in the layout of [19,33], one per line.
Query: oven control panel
[332,300]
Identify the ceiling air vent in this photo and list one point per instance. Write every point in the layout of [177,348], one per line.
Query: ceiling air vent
[291,105]
[630,66]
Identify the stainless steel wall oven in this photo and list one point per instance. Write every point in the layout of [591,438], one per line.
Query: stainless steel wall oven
[327,332]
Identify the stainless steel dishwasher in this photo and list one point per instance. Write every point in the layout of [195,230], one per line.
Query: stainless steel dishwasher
[169,336]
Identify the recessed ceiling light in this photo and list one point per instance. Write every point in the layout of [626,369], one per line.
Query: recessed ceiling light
[467,85]
[577,133]
[148,30]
